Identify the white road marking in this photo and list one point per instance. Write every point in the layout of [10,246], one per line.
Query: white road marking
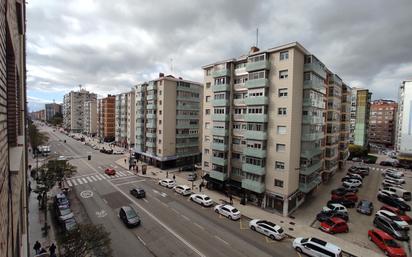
[80,182]
[185,217]
[131,173]
[101,176]
[122,174]
[218,238]
[130,182]
[74,182]
[85,181]
[163,194]
[155,191]
[69,183]
[94,179]
[89,179]
[104,200]
[197,225]
[144,199]
[164,204]
[141,240]
[100,167]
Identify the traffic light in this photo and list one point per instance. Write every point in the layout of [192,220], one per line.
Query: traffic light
[89,157]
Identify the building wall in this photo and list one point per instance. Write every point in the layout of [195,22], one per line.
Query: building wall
[404,121]
[362,117]
[131,120]
[382,122]
[166,122]
[109,104]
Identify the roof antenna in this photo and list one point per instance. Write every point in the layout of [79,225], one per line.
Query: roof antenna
[257,37]
[80,87]
[171,65]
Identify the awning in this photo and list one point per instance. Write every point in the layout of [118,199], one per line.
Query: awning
[212,180]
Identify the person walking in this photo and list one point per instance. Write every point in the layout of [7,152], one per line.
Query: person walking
[230,199]
[52,250]
[37,247]
[174,177]
[200,187]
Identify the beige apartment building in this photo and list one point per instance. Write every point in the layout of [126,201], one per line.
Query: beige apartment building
[265,124]
[125,119]
[74,110]
[168,122]
[90,117]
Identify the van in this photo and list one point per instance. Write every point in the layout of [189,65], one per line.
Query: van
[406,195]
[316,247]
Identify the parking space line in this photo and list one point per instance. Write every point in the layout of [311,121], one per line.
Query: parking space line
[218,238]
[197,225]
[145,200]
[241,225]
[141,240]
[185,217]
[173,209]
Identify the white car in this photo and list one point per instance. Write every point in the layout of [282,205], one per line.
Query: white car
[316,247]
[275,232]
[393,173]
[352,183]
[118,152]
[201,199]
[392,217]
[183,190]
[167,182]
[390,194]
[397,180]
[390,183]
[394,181]
[336,207]
[228,211]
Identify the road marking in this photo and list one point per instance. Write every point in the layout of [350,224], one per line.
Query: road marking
[100,167]
[155,191]
[74,182]
[241,225]
[80,182]
[197,225]
[101,214]
[92,177]
[173,209]
[131,173]
[68,183]
[85,181]
[131,182]
[89,179]
[185,217]
[218,238]
[86,194]
[163,194]
[101,176]
[104,200]
[164,203]
[121,173]
[145,200]
[141,240]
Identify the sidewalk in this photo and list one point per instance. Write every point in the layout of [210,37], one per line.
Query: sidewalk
[292,227]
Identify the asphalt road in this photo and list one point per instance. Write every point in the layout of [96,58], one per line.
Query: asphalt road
[171,224]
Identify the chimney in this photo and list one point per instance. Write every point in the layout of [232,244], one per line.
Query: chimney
[161,75]
[253,49]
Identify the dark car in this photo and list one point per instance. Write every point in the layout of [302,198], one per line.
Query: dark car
[187,168]
[345,202]
[347,196]
[192,176]
[350,178]
[385,163]
[395,202]
[61,200]
[341,191]
[129,216]
[138,192]
[365,207]
[391,228]
[325,215]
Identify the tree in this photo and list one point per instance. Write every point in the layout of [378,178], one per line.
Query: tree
[357,151]
[36,137]
[86,240]
[57,119]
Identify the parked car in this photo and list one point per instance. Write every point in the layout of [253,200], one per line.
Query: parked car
[390,216]
[187,168]
[335,207]
[138,192]
[69,224]
[393,173]
[64,213]
[399,212]
[391,228]
[345,202]
[183,190]
[386,243]
[324,215]
[202,199]
[340,191]
[316,247]
[390,176]
[269,229]
[118,152]
[110,172]
[391,183]
[356,159]
[350,187]
[406,195]
[365,207]
[334,225]
[60,199]
[167,182]
[106,151]
[355,176]
[228,211]
[129,216]
[394,201]
[384,192]
[352,183]
[192,176]
[394,181]
[348,196]
[385,163]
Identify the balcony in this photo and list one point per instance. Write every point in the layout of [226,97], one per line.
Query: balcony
[150,134]
[237,102]
[219,161]
[220,102]
[238,148]
[316,67]
[310,119]
[139,124]
[150,144]
[257,83]
[186,135]
[151,86]
[312,136]
[151,97]
[218,175]
[313,103]
[309,170]
[260,100]
[187,117]
[187,126]
[240,71]
[240,86]
[258,135]
[250,117]
[255,152]
[187,107]
[220,132]
[220,117]
[238,117]
[308,154]
[151,124]
[254,186]
[188,89]
[239,132]
[315,84]
[219,146]
[151,107]
[220,88]
[254,169]
[261,65]
[151,116]
[187,144]
[220,73]
[309,186]
[139,132]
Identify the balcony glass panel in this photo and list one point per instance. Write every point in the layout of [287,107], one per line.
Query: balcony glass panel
[253,169]
[219,161]
[261,100]
[255,152]
[261,65]
[220,88]
[256,117]
[257,83]
[258,135]
[218,175]
[254,186]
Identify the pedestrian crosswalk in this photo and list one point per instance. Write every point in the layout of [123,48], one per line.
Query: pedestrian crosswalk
[80,180]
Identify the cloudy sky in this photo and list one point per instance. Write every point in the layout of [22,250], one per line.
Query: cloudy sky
[108,46]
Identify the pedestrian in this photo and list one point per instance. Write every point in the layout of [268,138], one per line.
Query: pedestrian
[231,199]
[125,160]
[29,187]
[52,250]
[174,177]
[37,247]
[200,187]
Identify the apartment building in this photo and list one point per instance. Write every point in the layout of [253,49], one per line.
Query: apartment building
[168,121]
[359,120]
[131,118]
[73,109]
[404,123]
[90,118]
[106,118]
[121,119]
[13,145]
[52,109]
[265,133]
[38,115]
[344,125]
[382,123]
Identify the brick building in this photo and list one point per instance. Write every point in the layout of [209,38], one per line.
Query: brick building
[382,122]
[106,118]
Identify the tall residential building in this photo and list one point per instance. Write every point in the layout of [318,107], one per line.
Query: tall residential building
[382,122]
[90,117]
[73,109]
[106,118]
[404,123]
[131,118]
[265,133]
[52,109]
[38,115]
[121,119]
[13,145]
[344,125]
[168,121]
[359,121]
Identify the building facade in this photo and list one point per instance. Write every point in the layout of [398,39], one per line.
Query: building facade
[73,110]
[382,123]
[344,136]
[106,108]
[131,120]
[52,109]
[168,122]
[90,117]
[121,119]
[404,123]
[265,131]
[13,145]
[38,115]
[359,121]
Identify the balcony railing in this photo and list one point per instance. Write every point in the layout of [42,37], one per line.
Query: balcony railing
[220,73]
[310,185]
[220,102]
[220,88]
[219,146]
[218,175]
[310,169]
[256,117]
[254,169]
[220,117]
[255,152]
[254,186]
[316,67]
[258,135]
[312,136]
[220,132]
[260,65]
[257,83]
[260,100]
[219,161]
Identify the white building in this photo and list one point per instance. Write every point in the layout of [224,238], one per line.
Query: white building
[73,109]
[125,119]
[90,117]
[404,122]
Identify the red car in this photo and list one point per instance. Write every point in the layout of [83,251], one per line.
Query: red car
[399,212]
[110,172]
[334,225]
[386,243]
[348,196]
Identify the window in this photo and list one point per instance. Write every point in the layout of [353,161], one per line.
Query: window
[160,92]
[283,92]
[160,112]
[206,164]
[207,125]
[281,130]
[159,151]
[160,131]
[282,111]
[278,183]
[207,111]
[284,55]
[159,141]
[283,74]
[207,139]
[209,72]
[160,122]
[280,147]
[160,102]
[208,85]
[206,151]
[279,165]
[207,99]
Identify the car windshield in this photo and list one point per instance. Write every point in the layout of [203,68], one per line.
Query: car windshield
[130,213]
[391,243]
[280,231]
[65,211]
[207,198]
[330,222]
[365,204]
[304,240]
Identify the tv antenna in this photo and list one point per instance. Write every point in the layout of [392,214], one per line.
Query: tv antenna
[171,65]
[257,37]
[80,87]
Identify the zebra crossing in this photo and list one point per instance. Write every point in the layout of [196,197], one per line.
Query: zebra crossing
[71,182]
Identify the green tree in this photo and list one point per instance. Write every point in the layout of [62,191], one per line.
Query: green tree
[57,119]
[357,151]
[36,137]
[86,240]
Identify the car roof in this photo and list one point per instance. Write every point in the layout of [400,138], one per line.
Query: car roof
[388,213]
[337,220]
[230,207]
[167,179]
[184,186]
[324,243]
[126,207]
[383,234]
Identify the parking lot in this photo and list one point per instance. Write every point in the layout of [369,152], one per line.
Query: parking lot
[359,224]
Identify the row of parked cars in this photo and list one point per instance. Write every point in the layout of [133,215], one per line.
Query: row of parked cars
[64,214]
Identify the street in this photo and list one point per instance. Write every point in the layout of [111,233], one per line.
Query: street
[171,224]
